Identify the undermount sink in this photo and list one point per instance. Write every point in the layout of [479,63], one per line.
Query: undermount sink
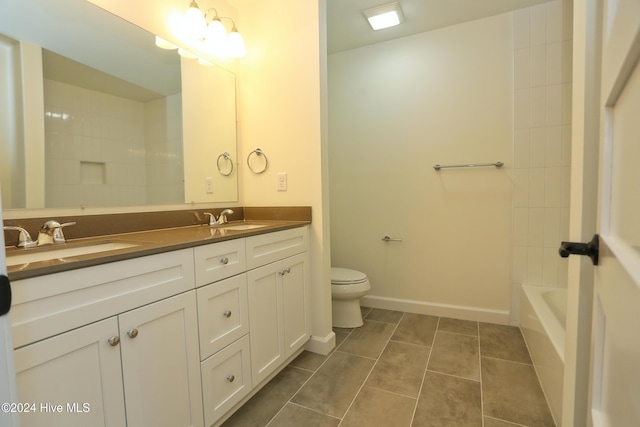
[58,252]
[242,227]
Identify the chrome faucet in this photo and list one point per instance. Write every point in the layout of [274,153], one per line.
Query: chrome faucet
[51,233]
[24,238]
[222,219]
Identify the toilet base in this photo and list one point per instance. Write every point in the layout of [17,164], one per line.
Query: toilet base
[346,313]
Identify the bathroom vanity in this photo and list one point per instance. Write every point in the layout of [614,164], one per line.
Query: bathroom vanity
[177,329]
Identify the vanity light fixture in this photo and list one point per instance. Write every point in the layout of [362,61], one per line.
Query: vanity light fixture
[214,34]
[384,16]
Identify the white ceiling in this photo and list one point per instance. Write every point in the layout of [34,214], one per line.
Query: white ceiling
[348,29]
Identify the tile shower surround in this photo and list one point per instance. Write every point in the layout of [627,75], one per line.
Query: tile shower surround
[403,369]
[542,43]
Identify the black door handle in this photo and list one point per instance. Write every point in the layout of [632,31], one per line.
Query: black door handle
[590,249]
[5,295]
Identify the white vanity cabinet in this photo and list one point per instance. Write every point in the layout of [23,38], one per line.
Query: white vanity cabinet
[137,367]
[175,339]
[278,298]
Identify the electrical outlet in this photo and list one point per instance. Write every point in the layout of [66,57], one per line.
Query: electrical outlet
[282,181]
[208,185]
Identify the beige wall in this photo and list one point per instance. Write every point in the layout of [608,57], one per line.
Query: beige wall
[395,110]
[280,86]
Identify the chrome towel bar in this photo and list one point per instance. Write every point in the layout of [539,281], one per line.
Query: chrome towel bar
[469,165]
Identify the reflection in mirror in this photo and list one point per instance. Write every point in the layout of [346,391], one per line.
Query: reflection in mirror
[91,111]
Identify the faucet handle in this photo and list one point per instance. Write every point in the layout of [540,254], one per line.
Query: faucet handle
[24,238]
[54,229]
[222,219]
[212,218]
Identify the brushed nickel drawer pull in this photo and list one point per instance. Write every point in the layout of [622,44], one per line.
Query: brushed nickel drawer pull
[225,260]
[132,333]
[114,341]
[227,313]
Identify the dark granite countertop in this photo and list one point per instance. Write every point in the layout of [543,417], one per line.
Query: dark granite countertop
[141,243]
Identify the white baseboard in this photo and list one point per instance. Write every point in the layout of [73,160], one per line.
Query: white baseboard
[436,309]
[321,345]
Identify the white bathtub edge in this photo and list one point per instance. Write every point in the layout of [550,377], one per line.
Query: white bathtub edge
[555,330]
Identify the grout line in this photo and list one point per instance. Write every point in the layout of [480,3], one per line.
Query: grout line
[481,384]
[372,367]
[424,374]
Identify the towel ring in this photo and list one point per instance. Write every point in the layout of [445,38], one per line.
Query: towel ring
[258,152]
[227,158]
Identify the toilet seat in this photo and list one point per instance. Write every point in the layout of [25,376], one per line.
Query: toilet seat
[345,276]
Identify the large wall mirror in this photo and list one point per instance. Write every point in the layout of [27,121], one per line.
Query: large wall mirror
[92,113]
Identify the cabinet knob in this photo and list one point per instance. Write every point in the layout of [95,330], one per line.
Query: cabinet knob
[132,333]
[231,378]
[225,260]
[227,313]
[285,271]
[114,341]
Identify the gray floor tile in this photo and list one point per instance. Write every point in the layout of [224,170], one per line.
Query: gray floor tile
[375,407]
[456,354]
[295,416]
[309,361]
[400,369]
[268,401]
[334,386]
[503,342]
[341,335]
[511,392]
[457,326]
[368,340]
[448,401]
[388,316]
[416,329]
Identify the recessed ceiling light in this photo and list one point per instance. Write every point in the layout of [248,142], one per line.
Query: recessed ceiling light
[384,16]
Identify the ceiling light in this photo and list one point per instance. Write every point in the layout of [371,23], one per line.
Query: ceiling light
[384,16]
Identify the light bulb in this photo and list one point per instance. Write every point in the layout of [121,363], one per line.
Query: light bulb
[216,33]
[235,44]
[163,44]
[195,24]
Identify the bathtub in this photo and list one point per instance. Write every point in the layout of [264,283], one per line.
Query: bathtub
[542,321]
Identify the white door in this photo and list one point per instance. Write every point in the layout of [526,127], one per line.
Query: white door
[609,31]
[615,373]
[7,372]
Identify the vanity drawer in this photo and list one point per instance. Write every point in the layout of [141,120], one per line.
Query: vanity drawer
[48,305]
[223,314]
[226,379]
[264,249]
[218,261]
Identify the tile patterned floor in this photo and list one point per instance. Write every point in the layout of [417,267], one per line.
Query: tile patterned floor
[403,369]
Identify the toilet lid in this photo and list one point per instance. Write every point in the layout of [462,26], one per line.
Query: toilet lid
[343,276]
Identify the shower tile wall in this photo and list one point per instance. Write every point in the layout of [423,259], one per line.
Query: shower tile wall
[102,150]
[542,145]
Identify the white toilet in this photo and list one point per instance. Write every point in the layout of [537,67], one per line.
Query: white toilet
[347,287]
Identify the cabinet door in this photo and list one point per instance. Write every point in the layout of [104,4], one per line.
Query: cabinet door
[265,320]
[295,282]
[223,315]
[78,370]
[160,363]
